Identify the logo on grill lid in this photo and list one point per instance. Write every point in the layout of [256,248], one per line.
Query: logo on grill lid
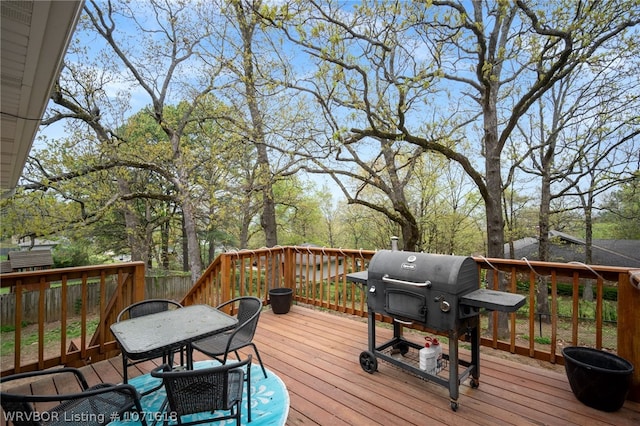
[409,264]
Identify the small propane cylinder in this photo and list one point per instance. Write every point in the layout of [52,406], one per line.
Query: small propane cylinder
[428,361]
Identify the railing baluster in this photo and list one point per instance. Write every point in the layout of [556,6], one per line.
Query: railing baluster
[83,316]
[512,316]
[103,309]
[532,313]
[599,311]
[576,310]
[17,340]
[554,317]
[63,320]
[41,313]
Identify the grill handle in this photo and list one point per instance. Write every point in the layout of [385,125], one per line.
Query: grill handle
[388,279]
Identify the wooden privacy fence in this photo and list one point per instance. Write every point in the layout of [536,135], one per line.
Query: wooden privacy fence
[171,287]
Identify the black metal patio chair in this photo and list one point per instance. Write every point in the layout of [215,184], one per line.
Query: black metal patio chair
[219,346]
[142,308]
[91,406]
[146,307]
[204,391]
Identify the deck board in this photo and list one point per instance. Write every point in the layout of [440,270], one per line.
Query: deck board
[316,354]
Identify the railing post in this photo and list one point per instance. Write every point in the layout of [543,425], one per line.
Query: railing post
[138,283]
[289,268]
[629,329]
[225,277]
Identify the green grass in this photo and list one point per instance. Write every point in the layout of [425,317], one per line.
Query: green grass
[541,340]
[10,328]
[74,329]
[586,310]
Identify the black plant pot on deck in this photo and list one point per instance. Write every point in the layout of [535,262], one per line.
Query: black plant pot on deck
[598,379]
[280,300]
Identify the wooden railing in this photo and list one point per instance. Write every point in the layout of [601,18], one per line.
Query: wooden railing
[318,278]
[118,286]
[573,329]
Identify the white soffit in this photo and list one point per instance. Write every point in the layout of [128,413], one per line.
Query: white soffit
[35,36]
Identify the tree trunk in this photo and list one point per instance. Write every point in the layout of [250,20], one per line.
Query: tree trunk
[542,292]
[211,254]
[244,229]
[268,216]
[195,260]
[137,244]
[410,233]
[495,234]
[587,291]
[164,249]
[185,247]
[247,22]
[493,199]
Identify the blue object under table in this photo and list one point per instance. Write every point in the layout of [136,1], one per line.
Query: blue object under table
[269,400]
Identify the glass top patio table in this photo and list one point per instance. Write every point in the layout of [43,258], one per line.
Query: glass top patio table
[156,334]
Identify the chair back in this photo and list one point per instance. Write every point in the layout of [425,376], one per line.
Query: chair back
[99,404]
[21,413]
[249,309]
[203,390]
[147,307]
[18,405]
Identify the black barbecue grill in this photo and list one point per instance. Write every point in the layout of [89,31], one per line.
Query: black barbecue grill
[438,292]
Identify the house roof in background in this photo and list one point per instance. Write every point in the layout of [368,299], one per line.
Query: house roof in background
[567,248]
[35,35]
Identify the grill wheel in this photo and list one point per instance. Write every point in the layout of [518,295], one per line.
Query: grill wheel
[368,362]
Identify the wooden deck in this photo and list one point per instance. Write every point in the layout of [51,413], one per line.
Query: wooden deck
[316,354]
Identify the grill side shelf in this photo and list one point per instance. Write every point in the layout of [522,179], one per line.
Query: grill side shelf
[358,277]
[493,300]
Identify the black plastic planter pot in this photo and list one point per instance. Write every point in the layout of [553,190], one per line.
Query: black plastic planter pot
[598,379]
[280,300]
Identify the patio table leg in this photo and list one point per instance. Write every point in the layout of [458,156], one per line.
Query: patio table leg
[124,368]
[189,360]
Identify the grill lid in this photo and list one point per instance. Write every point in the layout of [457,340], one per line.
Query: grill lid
[452,274]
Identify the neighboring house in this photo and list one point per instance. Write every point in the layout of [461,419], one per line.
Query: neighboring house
[313,266]
[22,261]
[31,256]
[37,244]
[567,248]
[34,260]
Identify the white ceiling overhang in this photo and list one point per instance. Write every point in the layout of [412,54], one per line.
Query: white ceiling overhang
[35,36]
